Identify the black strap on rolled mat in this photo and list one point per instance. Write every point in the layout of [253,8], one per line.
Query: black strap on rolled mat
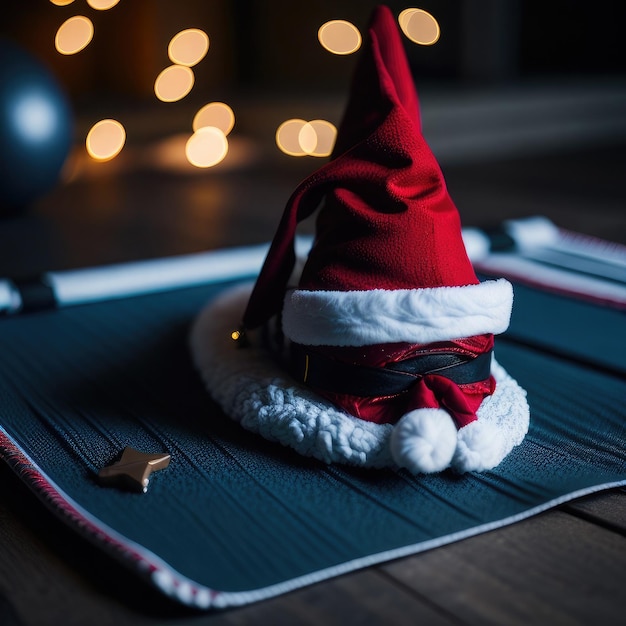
[322,372]
[36,294]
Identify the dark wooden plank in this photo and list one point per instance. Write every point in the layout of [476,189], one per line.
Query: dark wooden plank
[39,588]
[365,597]
[551,569]
[605,509]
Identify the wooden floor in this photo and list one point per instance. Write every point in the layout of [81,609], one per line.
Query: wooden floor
[566,566]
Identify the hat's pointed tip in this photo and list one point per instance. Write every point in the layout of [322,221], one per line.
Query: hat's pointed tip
[382,20]
[382,11]
[382,81]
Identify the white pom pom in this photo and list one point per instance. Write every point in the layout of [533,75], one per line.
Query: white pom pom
[424,441]
[480,447]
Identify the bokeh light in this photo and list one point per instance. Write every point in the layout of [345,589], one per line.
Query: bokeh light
[169,154]
[404,16]
[206,147]
[288,137]
[61,3]
[307,138]
[217,114]
[419,26]
[102,5]
[188,47]
[296,137]
[74,35]
[105,140]
[339,37]
[174,83]
[326,134]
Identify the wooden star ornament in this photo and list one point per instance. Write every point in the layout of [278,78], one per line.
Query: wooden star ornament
[133,469]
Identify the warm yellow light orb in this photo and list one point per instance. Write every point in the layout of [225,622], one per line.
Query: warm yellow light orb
[174,83]
[188,47]
[298,138]
[102,5]
[206,147]
[326,134]
[61,3]
[74,35]
[404,16]
[105,140]
[419,26]
[288,137]
[215,114]
[339,37]
[307,138]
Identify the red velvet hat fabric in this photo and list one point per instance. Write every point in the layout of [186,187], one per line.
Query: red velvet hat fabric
[390,223]
[387,221]
[387,282]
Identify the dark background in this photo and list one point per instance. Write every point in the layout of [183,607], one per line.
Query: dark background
[523,103]
[271,44]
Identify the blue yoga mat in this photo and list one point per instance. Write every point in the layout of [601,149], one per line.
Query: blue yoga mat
[234,518]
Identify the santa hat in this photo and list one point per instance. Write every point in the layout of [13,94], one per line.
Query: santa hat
[389,330]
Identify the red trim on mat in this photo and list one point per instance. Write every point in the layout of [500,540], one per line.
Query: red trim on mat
[39,484]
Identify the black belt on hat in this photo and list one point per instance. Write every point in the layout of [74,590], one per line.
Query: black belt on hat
[322,372]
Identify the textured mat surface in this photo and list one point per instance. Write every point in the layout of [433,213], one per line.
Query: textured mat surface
[234,518]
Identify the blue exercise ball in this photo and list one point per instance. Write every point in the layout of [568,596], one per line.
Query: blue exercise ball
[36,128]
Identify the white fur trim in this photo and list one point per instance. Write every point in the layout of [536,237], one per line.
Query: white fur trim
[502,424]
[357,318]
[479,447]
[424,441]
[255,391]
